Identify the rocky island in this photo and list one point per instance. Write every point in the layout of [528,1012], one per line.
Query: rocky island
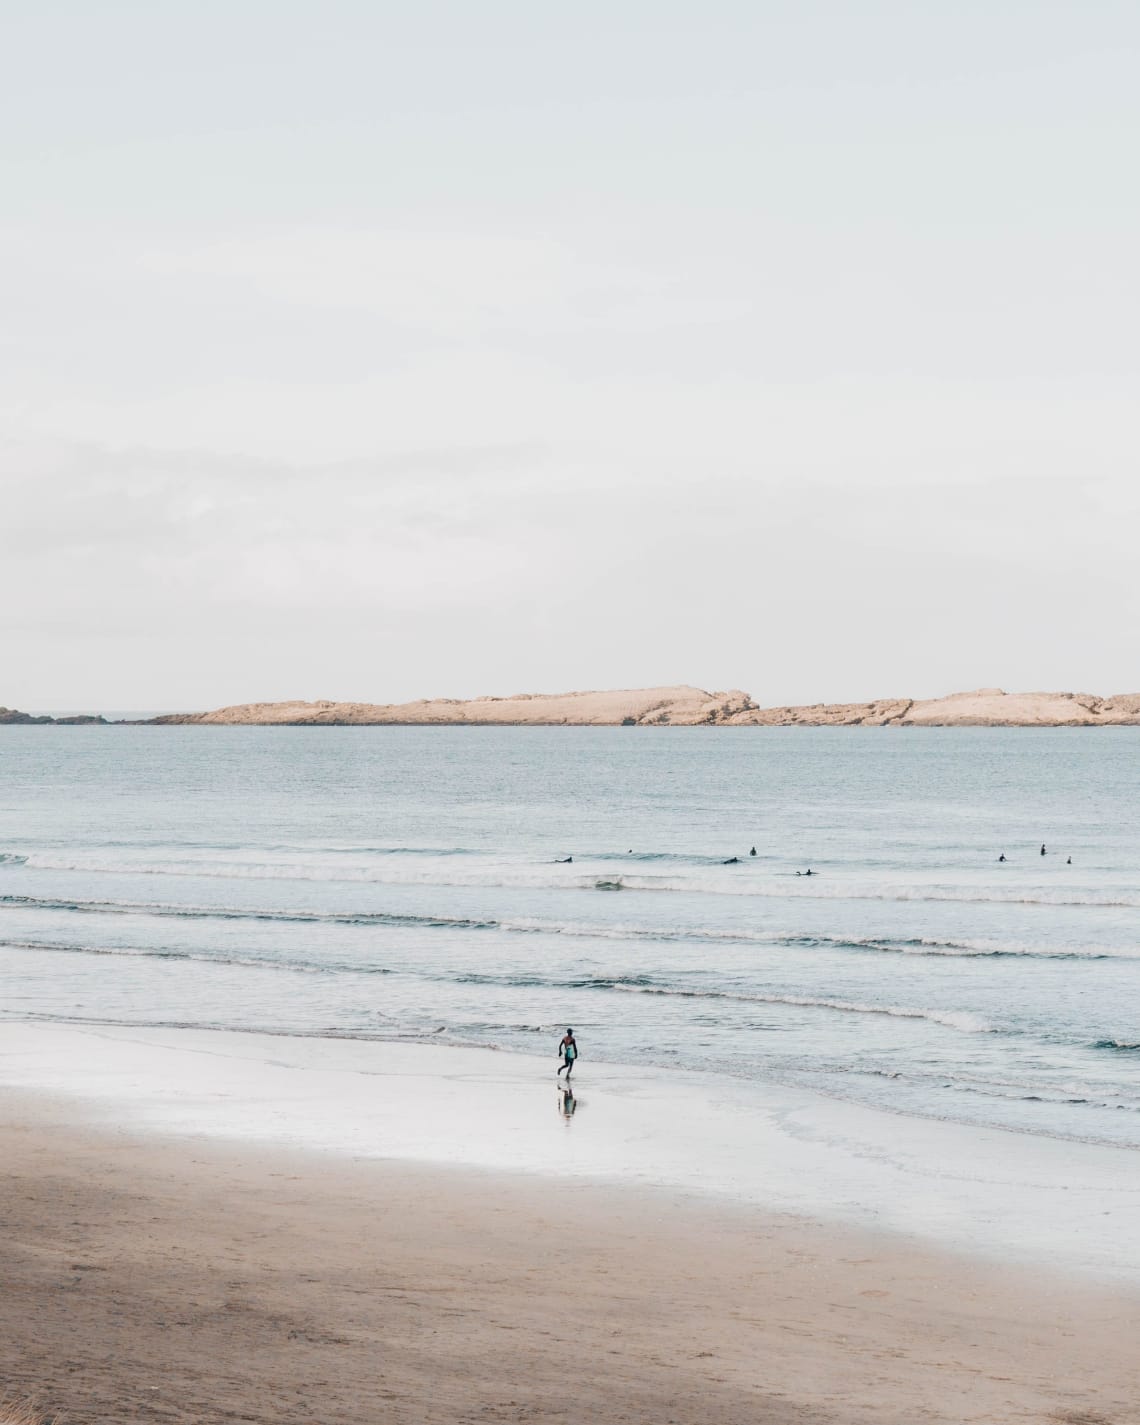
[679,706]
[23,719]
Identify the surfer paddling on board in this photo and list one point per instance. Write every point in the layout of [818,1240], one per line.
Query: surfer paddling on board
[568,1052]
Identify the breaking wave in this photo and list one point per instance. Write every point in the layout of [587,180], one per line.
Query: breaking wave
[527,925]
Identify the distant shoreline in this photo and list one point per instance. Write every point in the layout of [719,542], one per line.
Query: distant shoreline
[678,706]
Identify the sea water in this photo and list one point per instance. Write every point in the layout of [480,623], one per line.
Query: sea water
[414,884]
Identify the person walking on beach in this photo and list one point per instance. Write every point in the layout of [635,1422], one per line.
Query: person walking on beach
[568,1052]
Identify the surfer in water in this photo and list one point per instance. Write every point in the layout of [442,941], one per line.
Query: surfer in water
[1002,856]
[567,1052]
[732,861]
[752,852]
[564,861]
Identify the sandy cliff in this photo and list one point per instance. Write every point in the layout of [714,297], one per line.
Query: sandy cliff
[690,707]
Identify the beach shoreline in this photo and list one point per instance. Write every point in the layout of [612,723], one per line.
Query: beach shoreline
[987,1193]
[203,1225]
[158,1278]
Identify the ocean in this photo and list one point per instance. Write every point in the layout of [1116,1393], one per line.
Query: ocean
[413,884]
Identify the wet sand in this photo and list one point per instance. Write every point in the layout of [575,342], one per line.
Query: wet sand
[148,1278]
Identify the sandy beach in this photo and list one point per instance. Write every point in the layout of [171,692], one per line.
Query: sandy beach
[192,1282]
[160,1269]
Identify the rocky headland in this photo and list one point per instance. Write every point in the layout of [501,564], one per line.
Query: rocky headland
[692,707]
[679,706]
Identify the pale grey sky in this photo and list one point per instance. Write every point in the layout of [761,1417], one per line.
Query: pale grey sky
[369,350]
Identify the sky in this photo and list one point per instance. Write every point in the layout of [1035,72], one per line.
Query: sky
[376,351]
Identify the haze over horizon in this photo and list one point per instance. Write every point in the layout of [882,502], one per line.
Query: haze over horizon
[369,353]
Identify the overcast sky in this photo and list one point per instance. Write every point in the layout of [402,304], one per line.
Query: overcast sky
[375,350]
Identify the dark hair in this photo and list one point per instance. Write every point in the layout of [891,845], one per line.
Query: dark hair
[569,1031]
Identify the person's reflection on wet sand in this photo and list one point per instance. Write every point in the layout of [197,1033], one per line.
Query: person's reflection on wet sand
[567,1103]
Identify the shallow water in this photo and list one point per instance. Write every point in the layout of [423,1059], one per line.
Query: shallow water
[405,883]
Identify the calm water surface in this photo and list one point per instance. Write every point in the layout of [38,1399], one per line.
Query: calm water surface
[410,883]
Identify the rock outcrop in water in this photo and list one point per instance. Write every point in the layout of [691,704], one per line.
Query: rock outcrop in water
[11,716]
[692,707]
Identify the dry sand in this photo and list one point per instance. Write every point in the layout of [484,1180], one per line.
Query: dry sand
[186,1281]
[685,706]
